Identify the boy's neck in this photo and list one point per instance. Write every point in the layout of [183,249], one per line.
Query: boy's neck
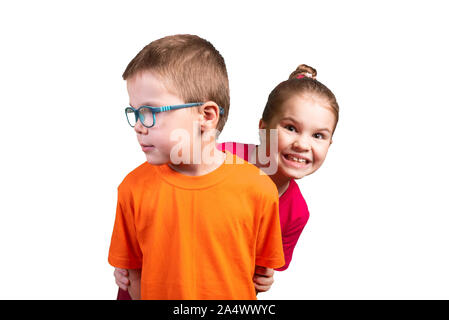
[215,160]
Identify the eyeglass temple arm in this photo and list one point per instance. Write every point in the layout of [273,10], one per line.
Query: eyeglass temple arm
[168,108]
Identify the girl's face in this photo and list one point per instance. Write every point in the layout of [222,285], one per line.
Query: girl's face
[305,126]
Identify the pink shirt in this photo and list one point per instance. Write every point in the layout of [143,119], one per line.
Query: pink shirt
[293,211]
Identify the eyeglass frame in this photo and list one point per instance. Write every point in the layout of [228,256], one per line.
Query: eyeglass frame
[155,110]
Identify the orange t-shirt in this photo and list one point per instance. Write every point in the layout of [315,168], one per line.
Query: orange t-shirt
[197,237]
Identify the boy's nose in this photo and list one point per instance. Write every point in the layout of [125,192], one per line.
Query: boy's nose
[140,128]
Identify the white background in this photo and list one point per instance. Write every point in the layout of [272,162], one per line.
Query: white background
[379,215]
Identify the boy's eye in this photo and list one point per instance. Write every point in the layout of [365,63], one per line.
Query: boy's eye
[318,136]
[290,128]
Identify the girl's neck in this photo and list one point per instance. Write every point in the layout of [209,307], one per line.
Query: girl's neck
[282,182]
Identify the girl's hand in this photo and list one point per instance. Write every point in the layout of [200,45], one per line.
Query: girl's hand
[121,278]
[263,279]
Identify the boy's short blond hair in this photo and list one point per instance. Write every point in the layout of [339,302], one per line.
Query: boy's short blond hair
[190,66]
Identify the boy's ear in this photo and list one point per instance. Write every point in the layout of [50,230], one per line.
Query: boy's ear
[209,115]
[262,124]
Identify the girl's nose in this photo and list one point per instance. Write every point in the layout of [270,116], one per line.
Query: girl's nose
[302,143]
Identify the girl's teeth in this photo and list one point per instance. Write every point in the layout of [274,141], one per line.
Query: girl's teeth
[296,159]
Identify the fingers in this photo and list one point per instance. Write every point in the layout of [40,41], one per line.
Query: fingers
[260,288]
[124,272]
[262,284]
[263,271]
[121,285]
[263,278]
[263,281]
[121,278]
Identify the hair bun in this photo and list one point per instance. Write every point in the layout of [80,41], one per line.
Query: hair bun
[303,70]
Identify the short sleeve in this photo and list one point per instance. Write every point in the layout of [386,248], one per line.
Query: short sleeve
[269,250]
[294,215]
[291,237]
[124,250]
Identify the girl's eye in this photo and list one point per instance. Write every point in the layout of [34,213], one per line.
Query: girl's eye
[318,136]
[290,128]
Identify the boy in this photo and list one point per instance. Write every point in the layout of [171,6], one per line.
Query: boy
[191,223]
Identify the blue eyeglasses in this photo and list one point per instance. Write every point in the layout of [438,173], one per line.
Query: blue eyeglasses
[147,114]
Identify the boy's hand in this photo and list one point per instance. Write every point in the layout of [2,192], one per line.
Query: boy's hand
[263,279]
[121,278]
[134,283]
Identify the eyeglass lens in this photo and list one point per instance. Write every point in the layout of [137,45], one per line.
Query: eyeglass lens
[145,114]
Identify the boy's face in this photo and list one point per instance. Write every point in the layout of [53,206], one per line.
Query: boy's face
[147,89]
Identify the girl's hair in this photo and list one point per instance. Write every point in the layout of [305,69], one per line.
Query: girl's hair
[301,82]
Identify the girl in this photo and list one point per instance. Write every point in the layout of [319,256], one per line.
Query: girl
[304,113]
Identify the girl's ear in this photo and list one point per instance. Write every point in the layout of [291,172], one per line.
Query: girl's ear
[262,124]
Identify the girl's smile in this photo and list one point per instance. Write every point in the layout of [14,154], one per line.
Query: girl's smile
[295,160]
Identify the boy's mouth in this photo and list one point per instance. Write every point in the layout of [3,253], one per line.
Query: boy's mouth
[147,147]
